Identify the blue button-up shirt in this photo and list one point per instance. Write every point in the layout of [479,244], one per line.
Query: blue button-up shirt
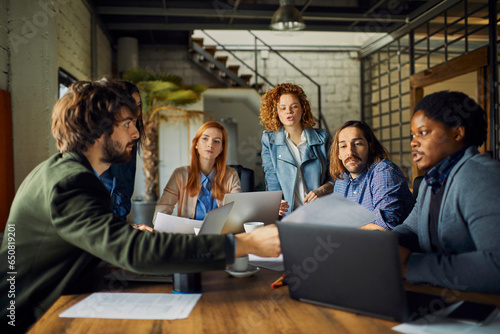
[382,189]
[205,201]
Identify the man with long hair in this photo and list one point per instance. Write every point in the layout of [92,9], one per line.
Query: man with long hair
[363,174]
[63,217]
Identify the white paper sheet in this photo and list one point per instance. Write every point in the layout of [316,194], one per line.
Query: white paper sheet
[273,263]
[444,325]
[174,224]
[150,306]
[332,209]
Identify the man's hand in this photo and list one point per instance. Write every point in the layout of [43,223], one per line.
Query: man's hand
[404,254]
[263,241]
[325,189]
[143,227]
[283,207]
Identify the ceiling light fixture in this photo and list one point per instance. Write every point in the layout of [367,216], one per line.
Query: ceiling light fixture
[287,17]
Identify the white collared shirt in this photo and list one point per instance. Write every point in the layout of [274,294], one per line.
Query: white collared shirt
[298,152]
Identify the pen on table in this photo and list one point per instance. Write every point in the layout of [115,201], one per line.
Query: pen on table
[279,282]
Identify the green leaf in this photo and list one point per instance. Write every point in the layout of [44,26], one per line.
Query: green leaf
[182,97]
[135,75]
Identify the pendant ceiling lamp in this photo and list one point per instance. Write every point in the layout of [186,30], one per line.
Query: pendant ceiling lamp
[287,17]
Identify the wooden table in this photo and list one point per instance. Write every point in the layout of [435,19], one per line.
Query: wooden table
[232,305]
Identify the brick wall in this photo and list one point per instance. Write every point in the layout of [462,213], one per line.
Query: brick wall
[338,74]
[74,42]
[73,39]
[104,54]
[47,35]
[174,60]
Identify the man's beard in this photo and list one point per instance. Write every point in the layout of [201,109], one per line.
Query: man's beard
[114,153]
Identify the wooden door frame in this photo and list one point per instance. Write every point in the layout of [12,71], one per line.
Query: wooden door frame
[6,158]
[476,61]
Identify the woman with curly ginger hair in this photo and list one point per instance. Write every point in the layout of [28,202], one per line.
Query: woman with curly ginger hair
[294,155]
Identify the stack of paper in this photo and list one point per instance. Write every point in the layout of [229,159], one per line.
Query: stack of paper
[151,306]
[333,209]
[174,224]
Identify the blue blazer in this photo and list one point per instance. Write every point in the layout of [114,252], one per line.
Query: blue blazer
[281,170]
[468,229]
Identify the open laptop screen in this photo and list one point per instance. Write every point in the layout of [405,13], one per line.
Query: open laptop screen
[257,206]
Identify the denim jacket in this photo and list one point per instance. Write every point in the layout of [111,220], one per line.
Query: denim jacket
[281,170]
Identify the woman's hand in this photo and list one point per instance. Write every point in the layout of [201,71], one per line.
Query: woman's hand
[263,241]
[283,207]
[325,189]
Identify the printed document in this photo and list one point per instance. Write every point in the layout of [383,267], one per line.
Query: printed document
[149,306]
[174,224]
[334,210]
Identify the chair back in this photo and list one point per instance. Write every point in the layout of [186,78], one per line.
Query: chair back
[246,177]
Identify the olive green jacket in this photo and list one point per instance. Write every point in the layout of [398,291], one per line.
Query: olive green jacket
[61,221]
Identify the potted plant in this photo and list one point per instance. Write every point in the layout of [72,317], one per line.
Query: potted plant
[158,90]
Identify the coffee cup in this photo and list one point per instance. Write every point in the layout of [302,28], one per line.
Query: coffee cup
[197,230]
[240,263]
[250,226]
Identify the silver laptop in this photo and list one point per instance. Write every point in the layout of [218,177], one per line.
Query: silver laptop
[215,219]
[350,269]
[257,206]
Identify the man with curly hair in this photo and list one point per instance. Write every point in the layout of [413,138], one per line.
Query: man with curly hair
[294,155]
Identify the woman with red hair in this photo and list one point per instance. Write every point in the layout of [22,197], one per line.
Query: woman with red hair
[201,186]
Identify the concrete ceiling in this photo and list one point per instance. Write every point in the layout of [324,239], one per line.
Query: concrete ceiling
[160,22]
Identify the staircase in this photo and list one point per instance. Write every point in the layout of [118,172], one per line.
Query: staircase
[228,75]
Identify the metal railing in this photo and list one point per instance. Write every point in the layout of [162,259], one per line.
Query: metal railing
[320,118]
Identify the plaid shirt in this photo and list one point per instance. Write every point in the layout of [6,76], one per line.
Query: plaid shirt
[437,175]
[382,189]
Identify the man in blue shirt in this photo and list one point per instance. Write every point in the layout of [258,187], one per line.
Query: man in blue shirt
[362,174]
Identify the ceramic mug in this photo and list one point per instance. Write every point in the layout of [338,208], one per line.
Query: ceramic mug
[250,226]
[240,263]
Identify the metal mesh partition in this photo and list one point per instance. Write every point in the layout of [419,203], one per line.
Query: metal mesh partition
[457,31]
[386,99]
